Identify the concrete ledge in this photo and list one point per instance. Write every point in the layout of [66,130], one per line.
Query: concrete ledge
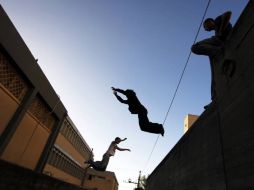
[13,177]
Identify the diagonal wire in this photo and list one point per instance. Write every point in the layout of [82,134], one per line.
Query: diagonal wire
[180,80]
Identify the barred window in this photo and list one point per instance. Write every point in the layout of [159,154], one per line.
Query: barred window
[42,112]
[73,137]
[61,161]
[11,79]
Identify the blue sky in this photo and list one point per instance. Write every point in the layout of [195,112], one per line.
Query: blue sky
[86,46]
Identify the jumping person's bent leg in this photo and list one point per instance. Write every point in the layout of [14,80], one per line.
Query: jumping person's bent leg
[155,128]
[210,46]
[105,161]
[100,165]
[146,125]
[143,121]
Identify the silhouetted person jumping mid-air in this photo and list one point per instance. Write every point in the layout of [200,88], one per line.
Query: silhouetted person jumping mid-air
[214,45]
[135,107]
[102,165]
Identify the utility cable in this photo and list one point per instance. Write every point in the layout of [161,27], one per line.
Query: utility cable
[179,82]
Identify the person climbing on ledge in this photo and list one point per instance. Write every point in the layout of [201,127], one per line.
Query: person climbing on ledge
[214,45]
[135,107]
[102,165]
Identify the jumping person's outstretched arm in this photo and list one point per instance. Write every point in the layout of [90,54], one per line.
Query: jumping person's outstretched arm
[119,90]
[120,99]
[123,139]
[123,149]
[115,90]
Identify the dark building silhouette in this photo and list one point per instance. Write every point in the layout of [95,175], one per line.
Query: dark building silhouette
[216,153]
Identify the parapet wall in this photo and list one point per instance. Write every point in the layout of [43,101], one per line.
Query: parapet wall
[217,152]
[13,177]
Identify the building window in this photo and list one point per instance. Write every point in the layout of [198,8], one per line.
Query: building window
[61,161]
[73,137]
[42,112]
[11,79]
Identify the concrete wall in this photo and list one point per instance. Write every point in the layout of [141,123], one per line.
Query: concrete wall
[100,180]
[27,143]
[59,174]
[195,162]
[217,152]
[13,177]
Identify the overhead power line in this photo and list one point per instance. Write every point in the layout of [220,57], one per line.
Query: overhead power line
[180,80]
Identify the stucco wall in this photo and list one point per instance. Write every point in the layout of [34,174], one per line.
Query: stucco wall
[26,145]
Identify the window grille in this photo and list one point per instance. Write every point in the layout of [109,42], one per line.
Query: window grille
[41,111]
[61,161]
[72,136]
[11,79]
